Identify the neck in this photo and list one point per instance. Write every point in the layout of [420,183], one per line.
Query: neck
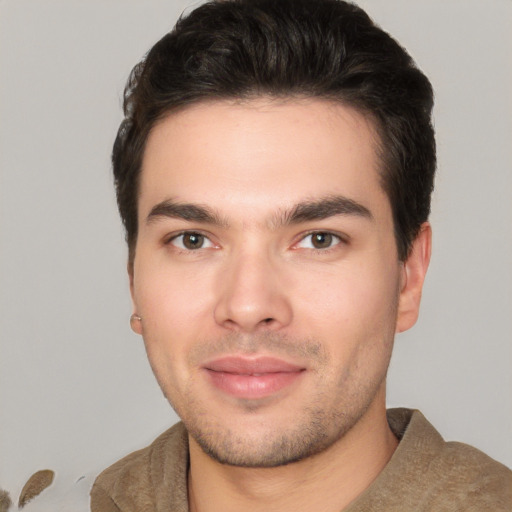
[326,482]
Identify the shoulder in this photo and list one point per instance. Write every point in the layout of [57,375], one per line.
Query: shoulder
[449,475]
[472,478]
[135,481]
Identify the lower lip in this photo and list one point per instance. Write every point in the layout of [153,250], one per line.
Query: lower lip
[253,386]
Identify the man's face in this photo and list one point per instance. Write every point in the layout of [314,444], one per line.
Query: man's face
[266,274]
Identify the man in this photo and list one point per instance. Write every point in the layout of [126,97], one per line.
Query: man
[273,173]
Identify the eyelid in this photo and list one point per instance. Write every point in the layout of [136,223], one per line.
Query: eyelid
[341,239]
[171,237]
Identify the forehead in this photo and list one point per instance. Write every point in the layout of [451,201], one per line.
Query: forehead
[260,153]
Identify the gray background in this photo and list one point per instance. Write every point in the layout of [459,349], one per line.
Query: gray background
[76,391]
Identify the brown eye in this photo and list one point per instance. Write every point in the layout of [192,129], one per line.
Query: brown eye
[190,241]
[321,240]
[193,240]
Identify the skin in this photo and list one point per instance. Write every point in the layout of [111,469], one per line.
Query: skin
[286,249]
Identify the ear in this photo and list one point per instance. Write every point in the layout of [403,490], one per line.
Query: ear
[135,322]
[413,275]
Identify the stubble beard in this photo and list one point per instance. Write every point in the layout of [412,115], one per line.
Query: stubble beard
[316,432]
[322,422]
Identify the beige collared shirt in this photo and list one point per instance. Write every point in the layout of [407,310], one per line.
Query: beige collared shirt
[425,474]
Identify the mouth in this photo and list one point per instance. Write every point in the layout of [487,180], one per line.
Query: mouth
[252,378]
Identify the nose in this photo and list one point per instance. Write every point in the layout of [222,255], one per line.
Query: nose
[252,295]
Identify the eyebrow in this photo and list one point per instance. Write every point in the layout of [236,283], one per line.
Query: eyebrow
[186,211]
[305,211]
[323,208]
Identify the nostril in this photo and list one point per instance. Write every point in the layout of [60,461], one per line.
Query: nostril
[268,320]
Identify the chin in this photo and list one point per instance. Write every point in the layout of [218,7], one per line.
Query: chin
[267,443]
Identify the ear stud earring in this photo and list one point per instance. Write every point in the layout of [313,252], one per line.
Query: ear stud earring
[133,320]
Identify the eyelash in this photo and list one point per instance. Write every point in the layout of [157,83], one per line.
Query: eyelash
[174,237]
[336,240]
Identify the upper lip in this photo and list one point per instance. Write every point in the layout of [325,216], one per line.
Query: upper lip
[251,365]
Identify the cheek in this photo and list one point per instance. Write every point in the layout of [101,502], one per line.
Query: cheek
[353,297]
[354,314]
[170,299]
[173,308]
